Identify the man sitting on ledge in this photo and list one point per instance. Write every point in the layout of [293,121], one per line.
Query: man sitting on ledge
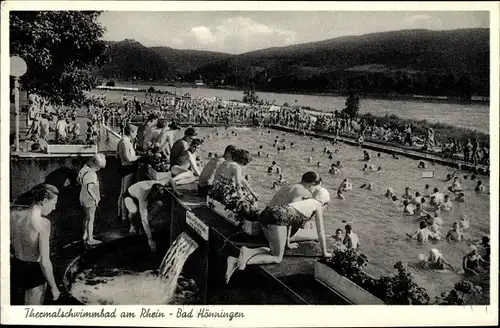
[207,175]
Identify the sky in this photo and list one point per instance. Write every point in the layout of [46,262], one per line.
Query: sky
[237,32]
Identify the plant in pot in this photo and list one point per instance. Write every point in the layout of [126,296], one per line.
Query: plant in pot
[244,207]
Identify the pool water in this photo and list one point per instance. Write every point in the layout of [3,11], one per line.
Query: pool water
[125,287]
[380,225]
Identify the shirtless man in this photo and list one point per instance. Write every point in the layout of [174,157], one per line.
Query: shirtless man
[310,180]
[422,234]
[455,234]
[143,195]
[232,170]
[207,175]
[31,267]
[351,240]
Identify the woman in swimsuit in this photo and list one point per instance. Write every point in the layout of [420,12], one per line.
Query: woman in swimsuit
[472,261]
[31,267]
[185,170]
[276,221]
[435,261]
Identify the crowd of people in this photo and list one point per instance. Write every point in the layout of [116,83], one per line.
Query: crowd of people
[294,214]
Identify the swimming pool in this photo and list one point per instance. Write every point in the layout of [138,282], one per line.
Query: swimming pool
[380,224]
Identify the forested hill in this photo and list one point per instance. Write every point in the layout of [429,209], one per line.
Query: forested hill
[408,61]
[185,61]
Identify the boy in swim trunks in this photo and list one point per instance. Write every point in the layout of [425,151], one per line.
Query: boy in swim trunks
[30,265]
[90,195]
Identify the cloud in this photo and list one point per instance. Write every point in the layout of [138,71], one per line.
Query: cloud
[177,41]
[241,34]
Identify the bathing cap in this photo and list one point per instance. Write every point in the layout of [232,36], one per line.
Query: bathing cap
[321,194]
[435,252]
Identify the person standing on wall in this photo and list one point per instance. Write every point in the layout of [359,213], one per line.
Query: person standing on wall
[30,264]
[128,159]
[90,195]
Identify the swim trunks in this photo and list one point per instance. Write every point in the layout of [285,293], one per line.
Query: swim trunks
[282,216]
[26,275]
[204,190]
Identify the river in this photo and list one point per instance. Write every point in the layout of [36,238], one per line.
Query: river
[472,116]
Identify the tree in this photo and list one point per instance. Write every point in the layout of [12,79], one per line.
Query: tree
[249,95]
[352,104]
[60,49]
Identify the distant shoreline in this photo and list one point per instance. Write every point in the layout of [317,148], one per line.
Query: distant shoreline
[400,97]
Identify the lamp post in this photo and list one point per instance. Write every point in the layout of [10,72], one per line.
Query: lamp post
[17,69]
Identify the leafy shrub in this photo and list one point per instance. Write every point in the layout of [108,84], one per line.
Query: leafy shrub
[396,289]
[151,89]
[158,160]
[110,84]
[226,193]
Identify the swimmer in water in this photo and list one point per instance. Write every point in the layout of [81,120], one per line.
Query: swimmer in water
[309,160]
[291,145]
[378,154]
[259,153]
[248,178]
[334,170]
[421,165]
[460,198]
[407,195]
[260,147]
[337,150]
[422,234]
[417,199]
[366,186]
[345,185]
[275,186]
[270,169]
[319,164]
[464,222]
[312,149]
[389,193]
[473,177]
[473,261]
[338,239]
[210,155]
[480,187]
[435,261]
[278,170]
[330,157]
[427,188]
[366,156]
[339,164]
[455,186]
[447,204]
[324,150]
[281,179]
[340,195]
[267,155]
[454,234]
[408,208]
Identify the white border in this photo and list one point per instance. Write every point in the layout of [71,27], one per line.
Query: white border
[267,316]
